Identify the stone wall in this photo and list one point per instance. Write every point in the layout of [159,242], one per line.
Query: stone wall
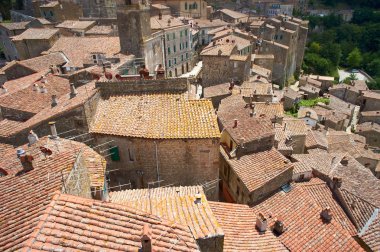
[29,48]
[372,137]
[345,94]
[15,114]
[164,85]
[370,104]
[175,161]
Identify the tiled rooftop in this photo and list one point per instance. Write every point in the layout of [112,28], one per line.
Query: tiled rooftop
[372,234]
[75,24]
[305,230]
[176,204]
[37,33]
[26,194]
[15,85]
[65,104]
[15,25]
[300,167]
[41,63]
[203,23]
[316,139]
[155,115]
[256,88]
[294,127]
[218,50]
[33,101]
[166,22]
[323,196]
[216,90]
[256,169]
[71,222]
[79,49]
[99,30]
[240,233]
[234,14]
[368,126]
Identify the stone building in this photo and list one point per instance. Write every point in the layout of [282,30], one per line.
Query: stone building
[371,131]
[159,9]
[59,11]
[326,81]
[32,42]
[186,8]
[263,60]
[44,64]
[349,92]
[369,101]
[8,30]
[309,91]
[369,116]
[291,98]
[231,16]
[203,26]
[223,63]
[285,38]
[99,9]
[218,92]
[162,136]
[74,27]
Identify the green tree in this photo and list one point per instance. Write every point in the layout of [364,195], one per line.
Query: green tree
[333,52]
[350,78]
[355,58]
[317,65]
[314,47]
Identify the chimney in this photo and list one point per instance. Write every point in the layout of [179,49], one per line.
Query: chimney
[366,146]
[160,16]
[3,90]
[279,226]
[235,123]
[326,214]
[43,89]
[261,223]
[20,152]
[198,198]
[54,101]
[146,238]
[35,87]
[32,138]
[73,90]
[53,130]
[337,182]
[344,161]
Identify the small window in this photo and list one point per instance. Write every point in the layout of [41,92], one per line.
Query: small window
[182,57]
[168,50]
[238,191]
[170,63]
[187,44]
[180,34]
[167,37]
[51,13]
[185,6]
[173,35]
[185,32]
[94,56]
[131,156]
[187,55]
[170,74]
[174,48]
[175,61]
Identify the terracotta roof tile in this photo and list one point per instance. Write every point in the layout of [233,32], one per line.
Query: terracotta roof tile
[36,34]
[15,25]
[15,85]
[316,139]
[216,90]
[33,101]
[75,24]
[372,234]
[176,204]
[233,14]
[323,196]
[240,233]
[78,49]
[71,222]
[26,194]
[155,115]
[300,167]
[368,126]
[305,230]
[254,170]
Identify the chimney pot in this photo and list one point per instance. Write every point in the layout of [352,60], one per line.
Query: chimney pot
[53,130]
[35,87]
[326,214]
[261,223]
[54,101]
[32,138]
[43,89]
[198,198]
[146,238]
[279,226]
[73,90]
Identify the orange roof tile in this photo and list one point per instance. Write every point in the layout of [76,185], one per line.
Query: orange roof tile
[70,222]
[305,230]
[176,204]
[155,115]
[26,194]
[240,233]
[256,169]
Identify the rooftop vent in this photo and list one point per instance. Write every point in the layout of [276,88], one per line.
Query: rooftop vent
[35,87]
[73,91]
[146,238]
[3,90]
[53,130]
[326,214]
[344,161]
[261,223]
[32,138]
[198,198]
[43,89]
[235,123]
[279,226]
[54,101]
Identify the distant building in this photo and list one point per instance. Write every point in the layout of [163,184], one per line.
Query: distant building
[231,16]
[74,27]
[59,11]
[371,131]
[186,8]
[32,42]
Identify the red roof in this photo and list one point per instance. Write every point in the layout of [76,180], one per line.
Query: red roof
[74,223]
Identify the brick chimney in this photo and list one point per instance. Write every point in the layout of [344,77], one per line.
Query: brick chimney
[54,101]
[344,161]
[73,91]
[261,223]
[326,214]
[146,238]
[53,130]
[279,226]
[32,138]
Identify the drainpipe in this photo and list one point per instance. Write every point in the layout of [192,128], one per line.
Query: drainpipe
[157,168]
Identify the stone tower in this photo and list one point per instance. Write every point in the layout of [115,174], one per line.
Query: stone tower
[133,20]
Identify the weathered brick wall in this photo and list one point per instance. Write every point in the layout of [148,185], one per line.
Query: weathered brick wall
[180,162]
[370,104]
[345,94]
[165,85]
[32,48]
[374,118]
[299,146]
[211,244]
[15,114]
[372,137]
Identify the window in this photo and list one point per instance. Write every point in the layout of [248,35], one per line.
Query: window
[174,48]
[180,46]
[170,74]
[182,57]
[180,34]
[170,63]
[51,13]
[168,50]
[235,64]
[175,61]
[203,32]
[94,56]
[280,37]
[173,35]
[187,44]
[187,55]
[185,32]
[238,191]
[185,6]
[167,37]
[131,156]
